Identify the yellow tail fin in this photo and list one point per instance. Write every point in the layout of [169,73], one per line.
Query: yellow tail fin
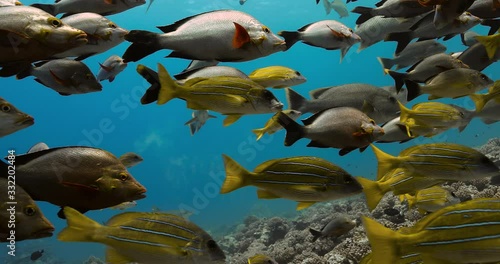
[383,241]
[80,227]
[405,113]
[236,175]
[479,101]
[491,44]
[372,191]
[259,132]
[386,162]
[168,88]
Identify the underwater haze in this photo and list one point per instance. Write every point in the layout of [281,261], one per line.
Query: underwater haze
[185,172]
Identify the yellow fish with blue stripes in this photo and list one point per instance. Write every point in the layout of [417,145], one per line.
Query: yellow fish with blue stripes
[151,238]
[430,199]
[463,233]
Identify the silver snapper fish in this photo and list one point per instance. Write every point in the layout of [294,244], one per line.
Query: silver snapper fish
[227,35]
[425,29]
[327,34]
[199,119]
[111,68]
[413,53]
[391,8]
[64,76]
[102,7]
[12,119]
[378,27]
[102,34]
[343,127]
[338,5]
[375,102]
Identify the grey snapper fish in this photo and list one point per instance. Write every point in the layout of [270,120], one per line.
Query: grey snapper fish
[327,34]
[111,68]
[413,53]
[9,3]
[337,227]
[12,119]
[227,35]
[345,128]
[102,7]
[200,117]
[378,27]
[36,35]
[101,32]
[338,5]
[391,8]
[64,76]
[375,102]
[30,223]
[476,57]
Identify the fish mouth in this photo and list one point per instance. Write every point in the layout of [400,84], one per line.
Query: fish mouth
[140,195]
[277,107]
[280,45]
[48,232]
[26,121]
[80,39]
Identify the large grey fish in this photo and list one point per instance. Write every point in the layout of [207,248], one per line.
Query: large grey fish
[485,9]
[31,34]
[327,34]
[413,53]
[378,27]
[29,221]
[12,119]
[448,11]
[391,8]
[227,35]
[345,128]
[82,177]
[101,32]
[335,228]
[476,57]
[375,102]
[426,69]
[64,76]
[110,68]
[102,7]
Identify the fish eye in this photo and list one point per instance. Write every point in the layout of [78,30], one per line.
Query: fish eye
[350,30]
[483,77]
[55,22]
[88,76]
[266,29]
[347,179]
[6,108]
[29,211]
[112,25]
[298,73]
[453,194]
[372,122]
[392,99]
[211,244]
[123,177]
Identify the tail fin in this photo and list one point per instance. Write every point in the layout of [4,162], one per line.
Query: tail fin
[414,90]
[382,240]
[153,91]
[365,14]
[168,86]
[80,227]
[479,101]
[295,100]
[316,234]
[491,44]
[403,39]
[494,24]
[386,63]
[291,37]
[386,162]
[51,9]
[294,131]
[259,132]
[327,6]
[24,73]
[143,44]
[399,79]
[236,175]
[372,191]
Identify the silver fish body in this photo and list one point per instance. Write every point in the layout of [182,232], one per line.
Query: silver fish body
[200,117]
[111,68]
[394,132]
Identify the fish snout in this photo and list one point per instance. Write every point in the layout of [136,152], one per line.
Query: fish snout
[80,38]
[276,105]
[25,120]
[280,45]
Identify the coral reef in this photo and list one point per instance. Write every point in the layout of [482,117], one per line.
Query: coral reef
[288,240]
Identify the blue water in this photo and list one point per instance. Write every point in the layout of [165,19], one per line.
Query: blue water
[184,171]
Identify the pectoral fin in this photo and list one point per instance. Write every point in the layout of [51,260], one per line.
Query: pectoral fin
[230,119]
[264,194]
[304,205]
[60,81]
[108,69]
[241,36]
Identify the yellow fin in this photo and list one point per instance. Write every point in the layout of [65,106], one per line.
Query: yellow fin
[478,100]
[259,132]
[168,86]
[112,256]
[235,175]
[405,112]
[230,119]
[80,227]
[372,191]
[491,44]
[382,240]
[304,205]
[265,194]
[386,162]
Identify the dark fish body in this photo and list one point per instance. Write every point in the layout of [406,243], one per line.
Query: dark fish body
[36,255]
[413,53]
[375,102]
[335,228]
[476,57]
[83,177]
[154,238]
[101,7]
[485,9]
[30,223]
[306,180]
